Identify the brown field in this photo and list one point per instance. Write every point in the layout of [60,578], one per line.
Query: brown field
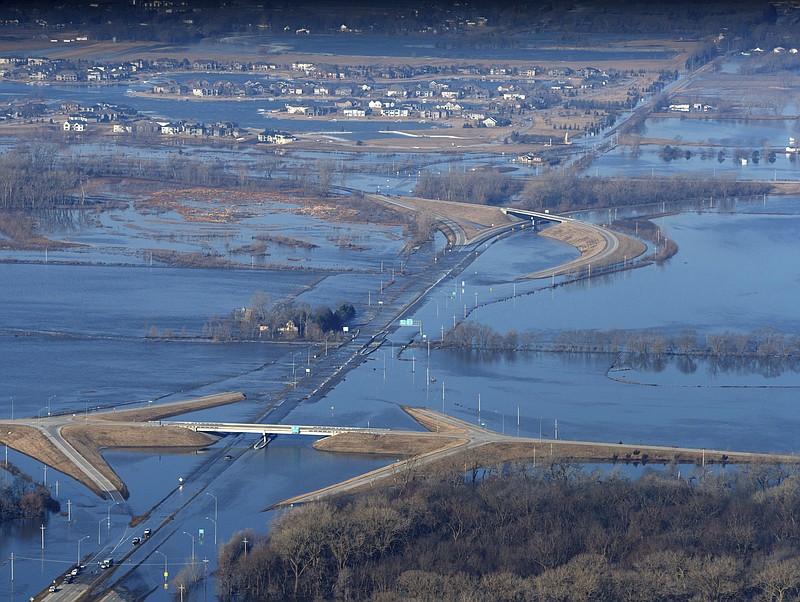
[101,50]
[590,243]
[433,425]
[406,445]
[32,443]
[167,410]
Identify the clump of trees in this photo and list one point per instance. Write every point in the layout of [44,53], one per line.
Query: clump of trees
[287,321]
[489,187]
[566,191]
[22,498]
[554,532]
[32,180]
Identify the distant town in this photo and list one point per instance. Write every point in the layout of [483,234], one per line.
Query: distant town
[457,95]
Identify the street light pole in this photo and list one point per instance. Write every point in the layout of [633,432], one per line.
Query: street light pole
[79,547]
[192,536]
[100,522]
[108,517]
[215,504]
[48,404]
[215,528]
[166,571]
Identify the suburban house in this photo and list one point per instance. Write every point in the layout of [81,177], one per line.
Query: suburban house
[66,76]
[74,125]
[395,112]
[273,137]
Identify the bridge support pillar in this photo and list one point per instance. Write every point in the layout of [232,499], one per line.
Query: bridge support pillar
[264,441]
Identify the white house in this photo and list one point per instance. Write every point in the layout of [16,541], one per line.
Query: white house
[74,125]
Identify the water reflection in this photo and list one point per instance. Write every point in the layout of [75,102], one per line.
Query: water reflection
[715,370]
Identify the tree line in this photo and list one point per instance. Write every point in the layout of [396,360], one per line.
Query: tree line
[551,533]
[760,343]
[565,191]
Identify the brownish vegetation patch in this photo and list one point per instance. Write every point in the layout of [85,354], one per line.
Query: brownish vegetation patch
[167,410]
[434,425]
[33,443]
[588,242]
[493,454]
[224,205]
[471,218]
[629,248]
[405,445]
[20,234]
[184,259]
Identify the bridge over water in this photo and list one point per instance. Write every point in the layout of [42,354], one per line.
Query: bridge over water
[533,216]
[270,431]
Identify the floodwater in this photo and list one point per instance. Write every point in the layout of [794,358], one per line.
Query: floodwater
[720,280]
[745,133]
[72,339]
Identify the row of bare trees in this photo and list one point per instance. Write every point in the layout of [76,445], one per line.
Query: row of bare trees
[549,533]
[764,342]
[566,190]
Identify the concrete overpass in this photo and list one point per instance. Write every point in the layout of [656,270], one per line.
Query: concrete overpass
[226,428]
[535,215]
